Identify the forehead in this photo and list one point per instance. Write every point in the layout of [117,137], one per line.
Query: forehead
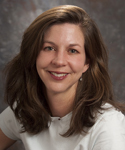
[63,25]
[65,30]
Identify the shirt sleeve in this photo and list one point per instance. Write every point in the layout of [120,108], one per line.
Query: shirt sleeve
[9,124]
[110,132]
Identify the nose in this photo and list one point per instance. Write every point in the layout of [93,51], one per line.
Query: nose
[59,59]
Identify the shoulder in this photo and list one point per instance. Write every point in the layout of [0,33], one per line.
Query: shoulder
[9,124]
[109,129]
[110,115]
[110,118]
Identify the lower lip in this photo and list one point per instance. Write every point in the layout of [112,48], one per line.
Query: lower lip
[58,78]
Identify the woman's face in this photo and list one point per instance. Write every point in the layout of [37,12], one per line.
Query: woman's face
[62,59]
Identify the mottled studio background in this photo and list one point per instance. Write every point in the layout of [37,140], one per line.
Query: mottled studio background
[16,16]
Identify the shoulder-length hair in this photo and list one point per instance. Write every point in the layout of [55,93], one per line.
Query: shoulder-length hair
[25,89]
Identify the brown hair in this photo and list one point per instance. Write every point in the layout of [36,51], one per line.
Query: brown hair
[26,91]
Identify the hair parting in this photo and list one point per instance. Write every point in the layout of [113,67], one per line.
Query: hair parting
[25,91]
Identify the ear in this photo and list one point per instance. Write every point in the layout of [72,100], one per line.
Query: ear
[86,66]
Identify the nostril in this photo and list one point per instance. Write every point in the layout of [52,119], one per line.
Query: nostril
[59,61]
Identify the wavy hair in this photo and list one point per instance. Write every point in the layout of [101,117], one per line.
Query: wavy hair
[25,89]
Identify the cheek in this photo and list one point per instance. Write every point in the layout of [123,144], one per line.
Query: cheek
[42,60]
[77,64]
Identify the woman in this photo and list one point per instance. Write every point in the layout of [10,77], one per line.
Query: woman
[58,88]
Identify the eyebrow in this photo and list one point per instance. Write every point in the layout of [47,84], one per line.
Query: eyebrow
[70,45]
[49,42]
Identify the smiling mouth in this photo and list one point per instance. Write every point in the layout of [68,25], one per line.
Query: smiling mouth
[59,74]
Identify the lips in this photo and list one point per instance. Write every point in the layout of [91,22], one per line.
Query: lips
[58,75]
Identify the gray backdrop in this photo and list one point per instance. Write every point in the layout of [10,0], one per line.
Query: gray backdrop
[16,16]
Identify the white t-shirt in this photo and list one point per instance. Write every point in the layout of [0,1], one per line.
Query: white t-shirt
[108,133]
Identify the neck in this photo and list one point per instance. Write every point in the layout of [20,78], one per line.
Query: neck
[60,104]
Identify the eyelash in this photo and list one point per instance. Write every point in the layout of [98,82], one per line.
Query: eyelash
[75,51]
[72,51]
[49,48]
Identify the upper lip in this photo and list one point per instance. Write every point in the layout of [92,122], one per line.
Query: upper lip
[58,72]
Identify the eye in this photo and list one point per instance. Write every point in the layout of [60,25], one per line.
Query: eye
[49,48]
[73,51]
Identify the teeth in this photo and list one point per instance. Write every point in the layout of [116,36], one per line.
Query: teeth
[58,75]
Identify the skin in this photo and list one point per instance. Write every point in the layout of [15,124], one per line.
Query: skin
[62,53]
[5,142]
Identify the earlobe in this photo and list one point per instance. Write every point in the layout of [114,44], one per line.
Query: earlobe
[86,65]
[85,68]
